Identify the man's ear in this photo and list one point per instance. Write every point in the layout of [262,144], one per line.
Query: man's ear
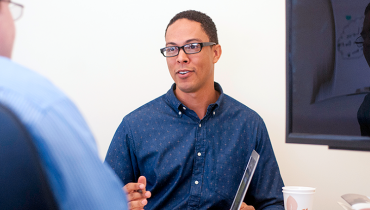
[217,51]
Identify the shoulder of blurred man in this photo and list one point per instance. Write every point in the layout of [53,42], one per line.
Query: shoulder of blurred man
[65,144]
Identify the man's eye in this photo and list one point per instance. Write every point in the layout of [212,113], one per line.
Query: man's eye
[194,46]
[171,49]
[191,46]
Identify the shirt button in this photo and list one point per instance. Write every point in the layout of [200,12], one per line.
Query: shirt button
[214,113]
[196,182]
[200,125]
[184,108]
[179,113]
[199,154]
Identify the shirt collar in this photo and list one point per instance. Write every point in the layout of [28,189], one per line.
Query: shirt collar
[177,105]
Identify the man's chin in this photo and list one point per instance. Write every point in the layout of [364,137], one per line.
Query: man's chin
[185,88]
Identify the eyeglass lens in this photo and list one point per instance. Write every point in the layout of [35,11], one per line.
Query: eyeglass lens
[189,49]
[16,10]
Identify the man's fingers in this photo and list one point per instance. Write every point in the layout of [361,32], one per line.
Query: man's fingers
[134,196]
[247,208]
[137,194]
[137,205]
[142,180]
[244,206]
[131,187]
[148,194]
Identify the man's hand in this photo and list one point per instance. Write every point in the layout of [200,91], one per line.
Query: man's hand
[244,206]
[136,194]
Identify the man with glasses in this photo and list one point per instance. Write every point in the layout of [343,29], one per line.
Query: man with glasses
[64,144]
[188,149]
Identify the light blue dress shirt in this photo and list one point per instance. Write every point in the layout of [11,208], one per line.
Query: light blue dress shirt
[67,149]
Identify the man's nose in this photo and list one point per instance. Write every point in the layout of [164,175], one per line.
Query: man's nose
[182,57]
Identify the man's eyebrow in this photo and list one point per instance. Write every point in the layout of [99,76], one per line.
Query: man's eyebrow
[171,43]
[187,42]
[192,40]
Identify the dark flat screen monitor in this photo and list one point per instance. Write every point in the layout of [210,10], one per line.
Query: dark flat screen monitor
[327,74]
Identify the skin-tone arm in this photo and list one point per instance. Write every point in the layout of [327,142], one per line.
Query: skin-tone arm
[137,194]
[246,207]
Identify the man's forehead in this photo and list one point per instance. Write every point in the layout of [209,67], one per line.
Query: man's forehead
[183,24]
[185,30]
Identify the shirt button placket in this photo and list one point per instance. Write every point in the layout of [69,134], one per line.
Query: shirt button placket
[198,168]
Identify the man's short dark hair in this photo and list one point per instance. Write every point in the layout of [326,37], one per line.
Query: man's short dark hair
[205,21]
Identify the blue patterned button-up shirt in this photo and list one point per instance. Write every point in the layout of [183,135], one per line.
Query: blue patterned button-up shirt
[193,163]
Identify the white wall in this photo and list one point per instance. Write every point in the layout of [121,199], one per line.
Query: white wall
[105,56]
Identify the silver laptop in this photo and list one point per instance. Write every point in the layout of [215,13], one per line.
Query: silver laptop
[246,180]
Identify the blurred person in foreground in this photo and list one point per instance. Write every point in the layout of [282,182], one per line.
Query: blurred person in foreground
[66,147]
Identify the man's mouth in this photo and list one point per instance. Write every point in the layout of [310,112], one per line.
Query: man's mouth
[183,72]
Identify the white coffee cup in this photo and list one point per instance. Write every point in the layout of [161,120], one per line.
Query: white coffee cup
[298,198]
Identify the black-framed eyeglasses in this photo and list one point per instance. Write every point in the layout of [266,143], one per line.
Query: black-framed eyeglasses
[191,48]
[15,8]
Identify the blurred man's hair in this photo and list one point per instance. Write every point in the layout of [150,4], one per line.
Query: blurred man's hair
[205,21]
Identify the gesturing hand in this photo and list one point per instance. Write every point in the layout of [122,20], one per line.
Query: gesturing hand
[137,194]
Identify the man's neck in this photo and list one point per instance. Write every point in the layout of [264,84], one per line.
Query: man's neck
[198,101]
